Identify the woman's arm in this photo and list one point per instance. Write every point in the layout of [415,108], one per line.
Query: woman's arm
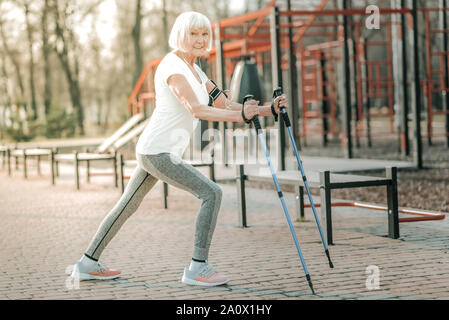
[181,88]
[264,111]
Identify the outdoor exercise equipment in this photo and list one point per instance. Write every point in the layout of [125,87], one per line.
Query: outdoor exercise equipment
[258,127]
[284,114]
[246,80]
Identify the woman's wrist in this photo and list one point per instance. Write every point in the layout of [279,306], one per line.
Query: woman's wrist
[238,117]
[265,111]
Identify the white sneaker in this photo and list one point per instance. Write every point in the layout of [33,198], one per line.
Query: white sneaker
[206,276]
[98,272]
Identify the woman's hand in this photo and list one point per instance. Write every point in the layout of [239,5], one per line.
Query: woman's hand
[280,102]
[251,109]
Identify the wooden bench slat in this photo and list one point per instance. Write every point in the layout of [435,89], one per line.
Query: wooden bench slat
[337,180]
[83,156]
[31,152]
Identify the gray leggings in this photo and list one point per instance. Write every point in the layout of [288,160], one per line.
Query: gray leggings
[180,174]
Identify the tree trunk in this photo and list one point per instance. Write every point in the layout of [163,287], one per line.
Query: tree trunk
[12,56]
[136,41]
[165,24]
[30,51]
[4,92]
[46,56]
[71,76]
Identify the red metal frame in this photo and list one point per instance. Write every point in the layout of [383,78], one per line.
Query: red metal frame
[313,85]
[256,41]
[424,215]
[432,85]
[374,85]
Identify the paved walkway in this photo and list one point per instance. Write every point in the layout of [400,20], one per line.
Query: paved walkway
[46,228]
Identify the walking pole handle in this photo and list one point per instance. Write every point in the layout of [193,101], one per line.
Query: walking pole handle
[276,93]
[255,120]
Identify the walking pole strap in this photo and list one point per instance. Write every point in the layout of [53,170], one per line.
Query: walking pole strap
[276,93]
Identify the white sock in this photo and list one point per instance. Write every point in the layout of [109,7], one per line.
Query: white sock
[196,266]
[88,263]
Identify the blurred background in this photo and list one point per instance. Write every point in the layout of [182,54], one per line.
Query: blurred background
[68,67]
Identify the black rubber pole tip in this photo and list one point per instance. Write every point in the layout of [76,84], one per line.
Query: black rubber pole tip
[310,284]
[329,258]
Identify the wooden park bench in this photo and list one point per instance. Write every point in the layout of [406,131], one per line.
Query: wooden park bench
[4,154]
[103,153]
[26,154]
[326,182]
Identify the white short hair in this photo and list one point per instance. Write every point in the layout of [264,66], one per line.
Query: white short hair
[184,23]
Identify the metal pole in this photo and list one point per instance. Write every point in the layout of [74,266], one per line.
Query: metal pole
[293,81]
[443,6]
[278,92]
[325,102]
[405,105]
[277,75]
[401,96]
[346,78]
[355,53]
[417,142]
[221,82]
[367,101]
[259,131]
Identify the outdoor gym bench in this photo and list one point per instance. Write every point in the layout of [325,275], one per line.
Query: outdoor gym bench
[325,181]
[25,154]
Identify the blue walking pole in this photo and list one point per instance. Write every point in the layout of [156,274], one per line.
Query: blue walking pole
[258,127]
[278,92]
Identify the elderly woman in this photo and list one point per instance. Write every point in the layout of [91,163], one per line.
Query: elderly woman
[184,95]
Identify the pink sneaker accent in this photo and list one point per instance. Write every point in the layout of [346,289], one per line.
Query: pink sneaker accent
[105,273]
[212,278]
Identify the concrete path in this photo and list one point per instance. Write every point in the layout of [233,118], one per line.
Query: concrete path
[46,228]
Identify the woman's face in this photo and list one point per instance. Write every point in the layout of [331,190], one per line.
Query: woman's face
[198,41]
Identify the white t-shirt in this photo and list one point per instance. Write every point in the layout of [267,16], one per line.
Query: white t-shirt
[171,124]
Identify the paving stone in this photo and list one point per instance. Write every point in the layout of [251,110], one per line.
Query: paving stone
[46,228]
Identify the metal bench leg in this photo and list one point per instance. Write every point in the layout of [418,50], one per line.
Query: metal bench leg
[52,164]
[326,207]
[122,178]
[88,171]
[8,152]
[165,195]
[56,150]
[392,194]
[115,170]
[300,203]
[39,165]
[240,180]
[77,172]
[25,175]
[212,171]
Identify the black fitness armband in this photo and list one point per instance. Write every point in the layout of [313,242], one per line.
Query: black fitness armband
[215,93]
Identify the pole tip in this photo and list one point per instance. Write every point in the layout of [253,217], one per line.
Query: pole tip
[329,258]
[310,284]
